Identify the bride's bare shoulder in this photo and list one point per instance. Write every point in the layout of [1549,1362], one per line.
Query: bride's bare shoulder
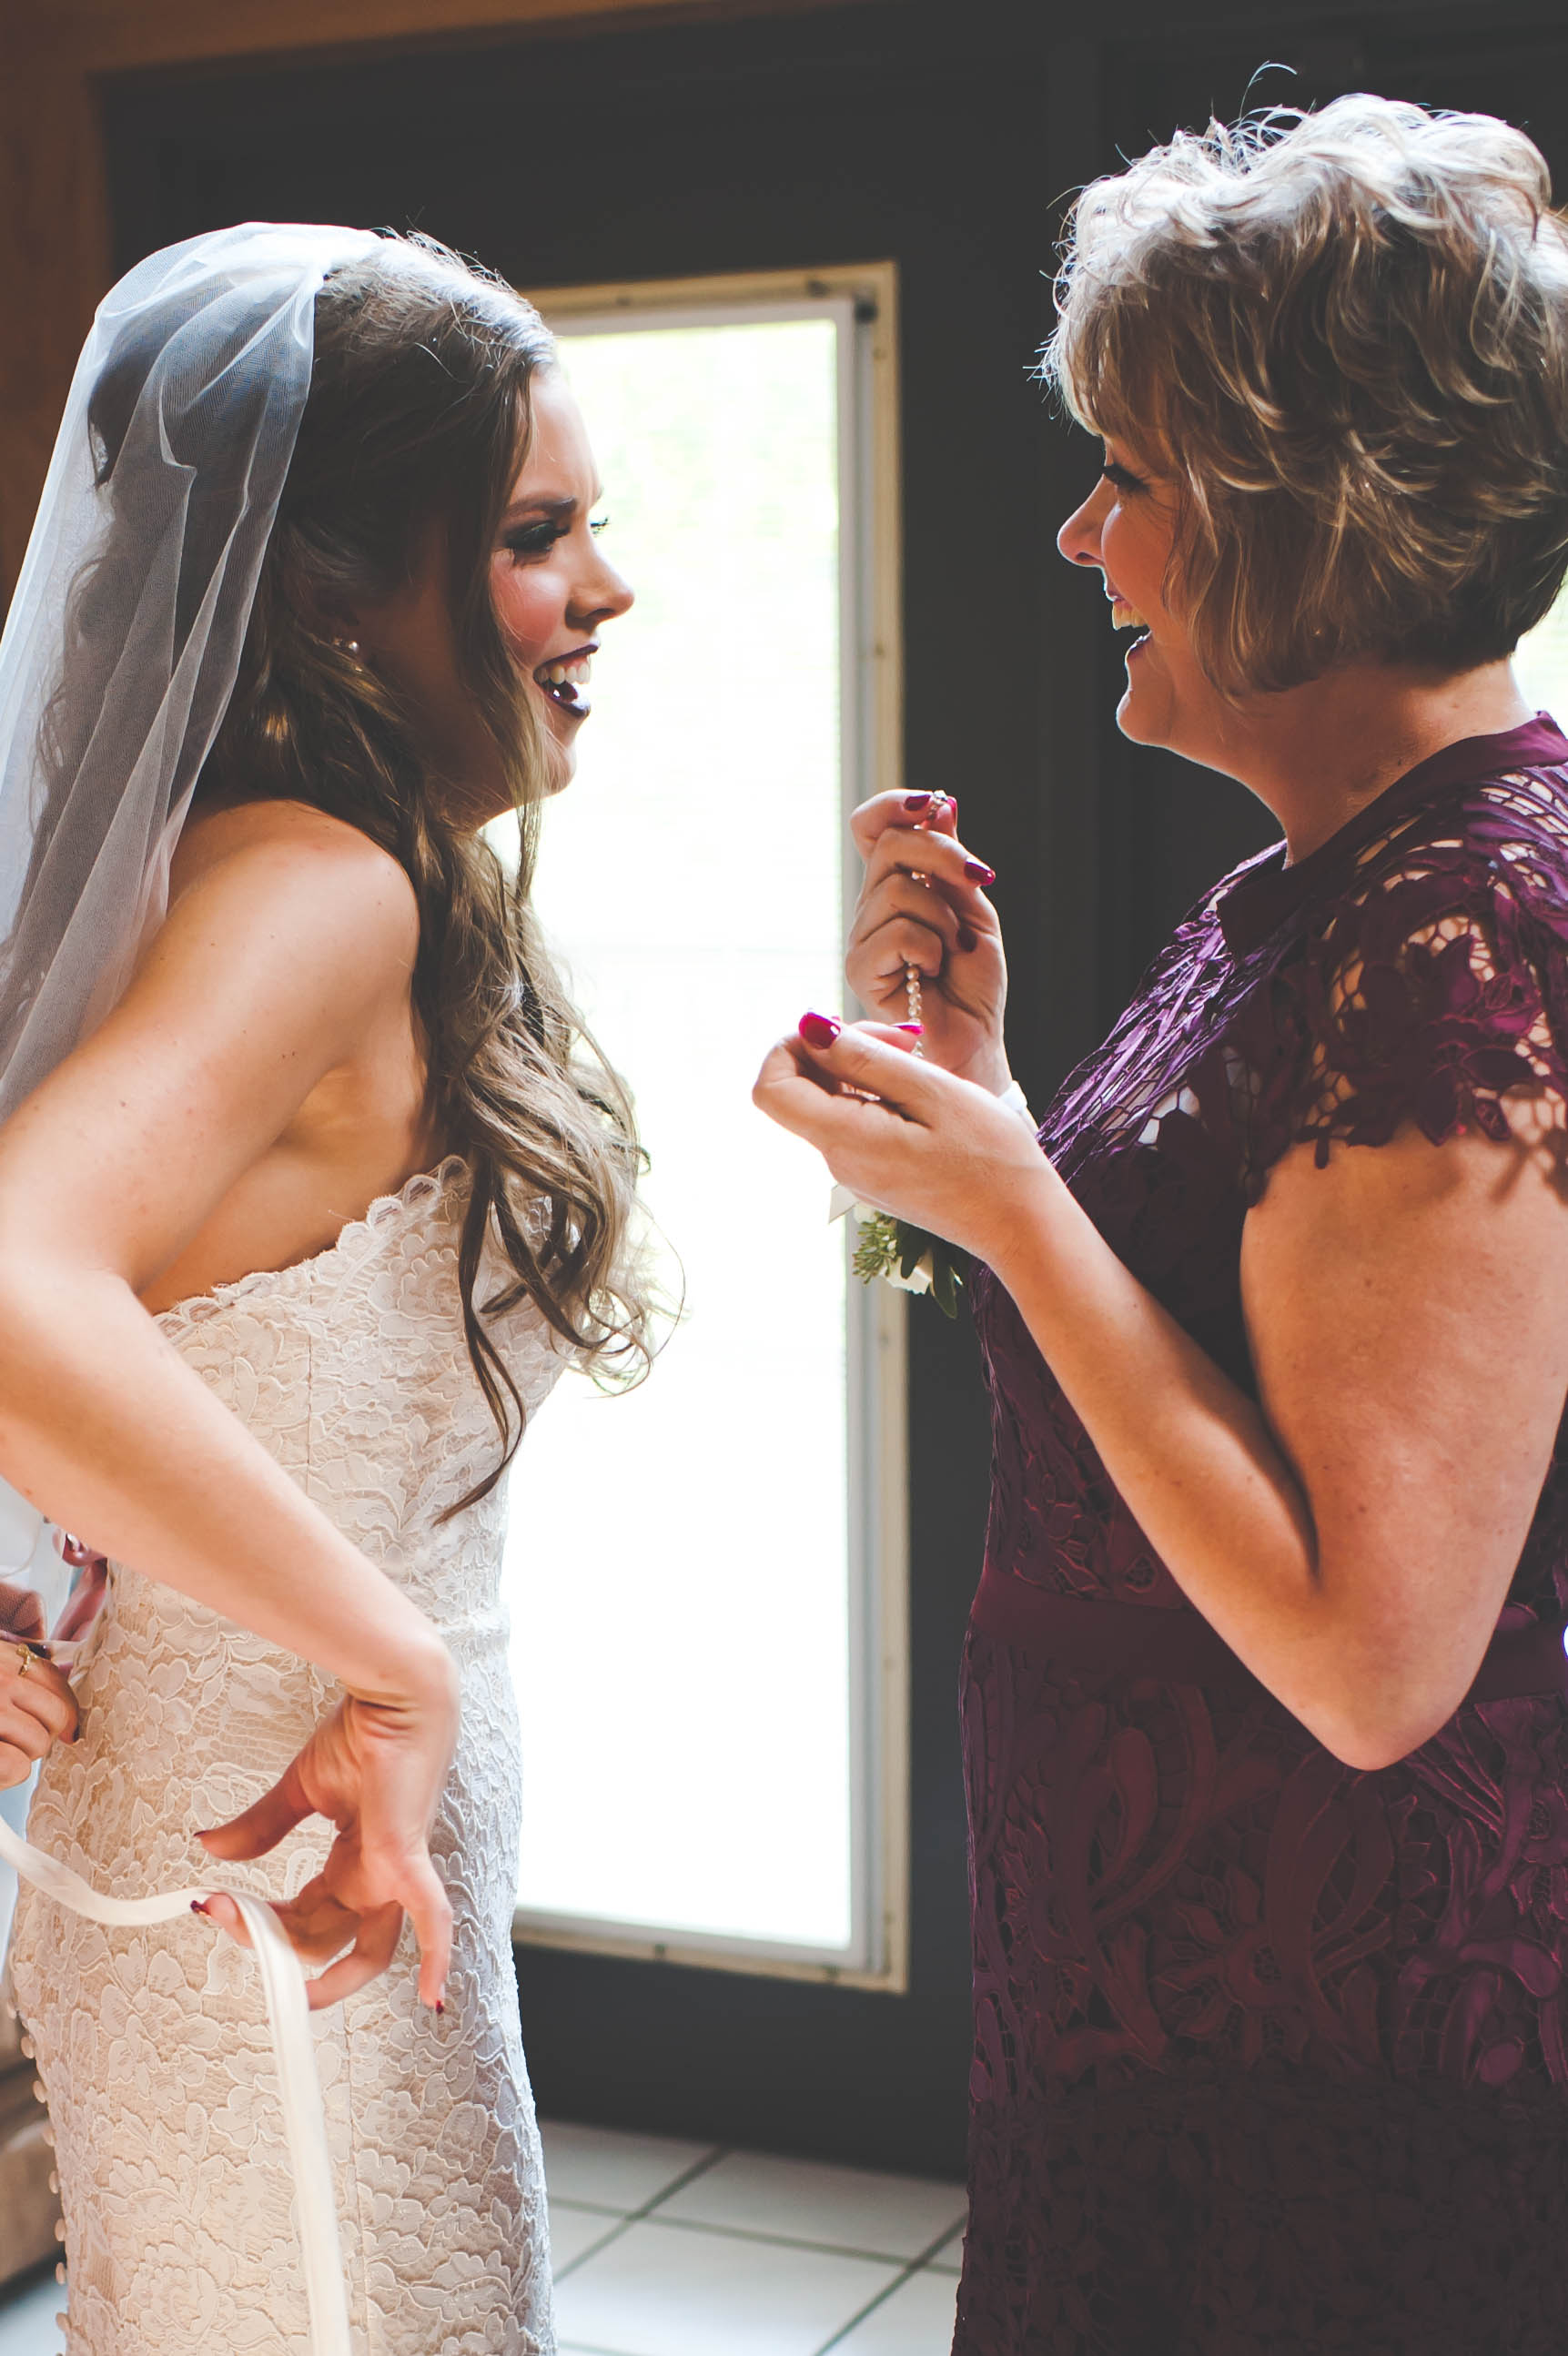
[272,849]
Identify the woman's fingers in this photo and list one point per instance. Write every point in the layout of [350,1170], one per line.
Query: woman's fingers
[39,1691]
[222,1910]
[262,1825]
[817,1083]
[931,813]
[856,1055]
[430,1911]
[21,1732]
[925,919]
[375,1944]
[898,842]
[21,1609]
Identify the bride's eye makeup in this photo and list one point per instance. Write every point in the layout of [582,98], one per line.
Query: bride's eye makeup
[534,538]
[1122,476]
[539,536]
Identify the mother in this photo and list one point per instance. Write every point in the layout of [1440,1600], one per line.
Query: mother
[1264,1688]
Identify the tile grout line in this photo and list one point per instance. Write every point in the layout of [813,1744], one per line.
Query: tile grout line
[787,2241]
[915,2267]
[627,2217]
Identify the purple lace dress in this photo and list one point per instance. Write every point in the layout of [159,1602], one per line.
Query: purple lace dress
[1270,2053]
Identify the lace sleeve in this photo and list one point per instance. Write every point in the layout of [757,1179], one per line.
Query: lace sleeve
[1424,995]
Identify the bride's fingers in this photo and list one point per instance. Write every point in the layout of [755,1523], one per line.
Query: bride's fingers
[316,1929]
[318,1921]
[373,1949]
[430,1911]
[221,1909]
[262,1825]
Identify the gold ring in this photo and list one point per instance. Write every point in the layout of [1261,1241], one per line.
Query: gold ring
[26,1662]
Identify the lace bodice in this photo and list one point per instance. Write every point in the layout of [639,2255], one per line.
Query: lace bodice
[1201,1942]
[352,1370]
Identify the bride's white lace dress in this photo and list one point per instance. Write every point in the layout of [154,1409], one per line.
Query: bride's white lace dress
[153,2045]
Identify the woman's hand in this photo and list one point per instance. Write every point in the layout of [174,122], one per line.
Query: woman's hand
[933,1149]
[376,1769]
[943,925]
[37,1705]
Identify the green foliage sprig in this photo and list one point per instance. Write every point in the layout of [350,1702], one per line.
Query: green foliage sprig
[907,1257]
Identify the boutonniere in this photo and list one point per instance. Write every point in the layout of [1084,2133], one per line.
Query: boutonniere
[907,1257]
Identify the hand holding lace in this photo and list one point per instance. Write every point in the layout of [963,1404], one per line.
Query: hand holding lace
[375,1768]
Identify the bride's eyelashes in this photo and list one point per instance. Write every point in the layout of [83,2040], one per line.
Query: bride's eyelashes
[528,539]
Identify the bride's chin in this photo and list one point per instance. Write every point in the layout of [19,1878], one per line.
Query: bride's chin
[560,765]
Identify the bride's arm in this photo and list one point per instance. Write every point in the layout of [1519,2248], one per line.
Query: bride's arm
[270,972]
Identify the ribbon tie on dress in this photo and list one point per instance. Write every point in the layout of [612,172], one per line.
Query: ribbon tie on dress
[288,2019]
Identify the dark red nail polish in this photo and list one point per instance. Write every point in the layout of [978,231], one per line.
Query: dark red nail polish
[199,1906]
[968,938]
[818,1029]
[440,2006]
[978,872]
[917,801]
[916,1030]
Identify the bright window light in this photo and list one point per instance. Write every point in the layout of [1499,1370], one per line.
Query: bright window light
[695,1570]
[1542,664]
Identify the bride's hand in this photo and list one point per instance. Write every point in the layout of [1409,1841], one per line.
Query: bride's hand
[37,1705]
[376,1769]
[945,926]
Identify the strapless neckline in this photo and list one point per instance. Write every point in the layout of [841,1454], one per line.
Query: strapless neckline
[418,1193]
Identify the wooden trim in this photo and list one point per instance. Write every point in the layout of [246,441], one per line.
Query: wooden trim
[121,36]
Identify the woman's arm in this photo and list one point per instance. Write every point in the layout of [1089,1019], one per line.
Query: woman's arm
[1352,1535]
[268,973]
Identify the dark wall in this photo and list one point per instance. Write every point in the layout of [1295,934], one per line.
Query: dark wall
[941,137]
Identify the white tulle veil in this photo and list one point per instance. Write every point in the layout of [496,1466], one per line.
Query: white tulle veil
[120,650]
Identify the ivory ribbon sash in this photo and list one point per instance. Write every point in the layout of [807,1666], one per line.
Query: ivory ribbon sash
[288,2018]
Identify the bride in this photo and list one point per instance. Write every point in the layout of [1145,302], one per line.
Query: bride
[312,597]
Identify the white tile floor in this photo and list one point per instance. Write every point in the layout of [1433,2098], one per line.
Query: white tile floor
[663,2248]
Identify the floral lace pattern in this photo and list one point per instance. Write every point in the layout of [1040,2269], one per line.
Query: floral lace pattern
[152,2045]
[1270,2053]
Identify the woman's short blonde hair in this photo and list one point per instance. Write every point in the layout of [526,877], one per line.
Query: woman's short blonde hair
[1346,334]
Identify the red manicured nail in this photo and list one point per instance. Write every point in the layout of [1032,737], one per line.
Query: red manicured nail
[440,2005]
[818,1029]
[968,938]
[978,872]
[916,1030]
[199,1906]
[917,801]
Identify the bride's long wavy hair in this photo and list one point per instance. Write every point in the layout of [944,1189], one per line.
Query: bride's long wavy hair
[417,422]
